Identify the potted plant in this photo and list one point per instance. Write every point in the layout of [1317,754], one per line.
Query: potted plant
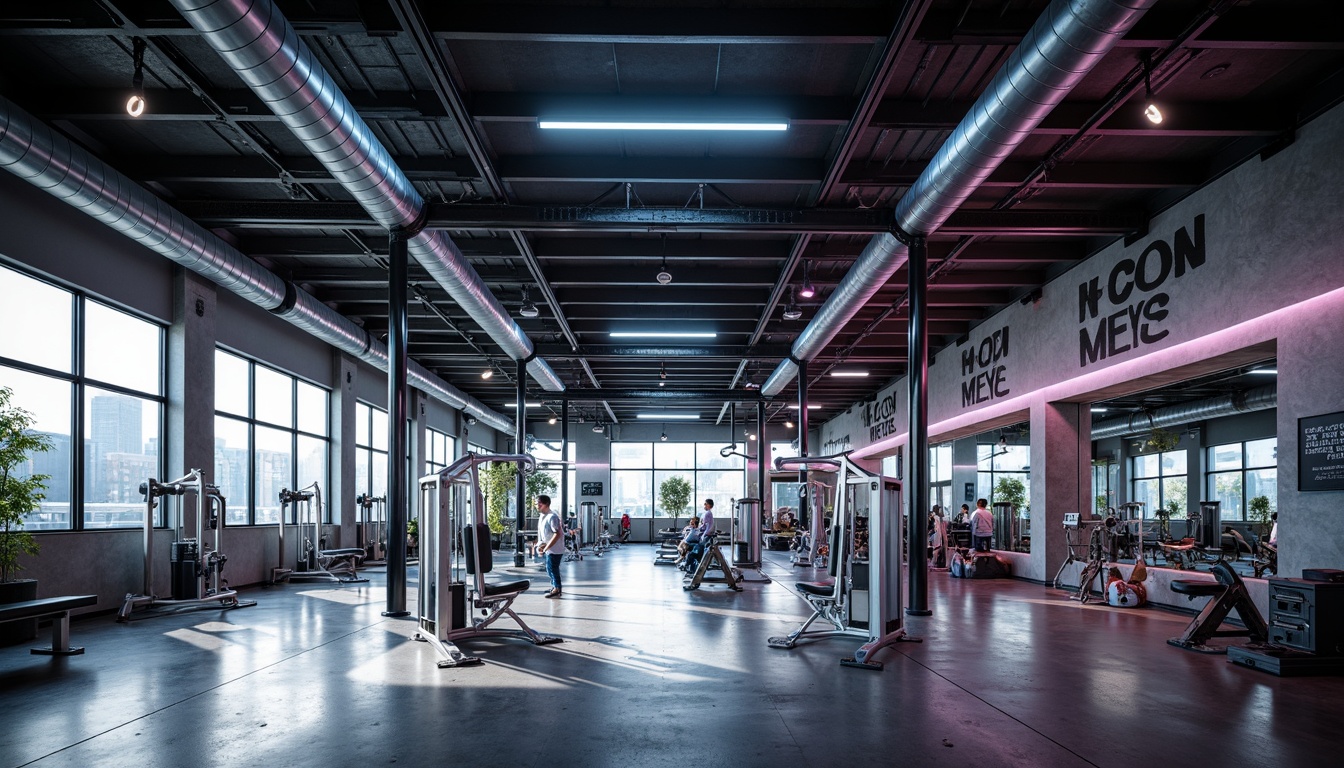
[1261,513]
[1014,491]
[20,495]
[499,483]
[413,535]
[674,496]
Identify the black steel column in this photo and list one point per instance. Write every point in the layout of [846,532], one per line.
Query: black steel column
[763,451]
[804,505]
[520,446]
[564,457]
[397,413]
[917,446]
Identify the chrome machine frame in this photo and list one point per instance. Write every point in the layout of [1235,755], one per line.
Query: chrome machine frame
[206,564]
[312,563]
[448,601]
[372,528]
[857,490]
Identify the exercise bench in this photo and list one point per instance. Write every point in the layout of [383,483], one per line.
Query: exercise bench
[58,610]
[1225,595]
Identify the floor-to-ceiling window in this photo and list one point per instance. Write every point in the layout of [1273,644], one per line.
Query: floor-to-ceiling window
[639,469]
[1158,481]
[1238,472]
[370,451]
[92,375]
[271,433]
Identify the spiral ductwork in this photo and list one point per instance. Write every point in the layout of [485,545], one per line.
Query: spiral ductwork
[1068,40]
[256,40]
[44,158]
[1258,399]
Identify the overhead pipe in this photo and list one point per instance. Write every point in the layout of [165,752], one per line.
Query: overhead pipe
[1070,38]
[1258,399]
[34,152]
[260,44]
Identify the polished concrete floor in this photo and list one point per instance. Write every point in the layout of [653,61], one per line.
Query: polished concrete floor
[1008,673]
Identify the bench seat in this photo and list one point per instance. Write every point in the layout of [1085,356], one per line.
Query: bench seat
[55,608]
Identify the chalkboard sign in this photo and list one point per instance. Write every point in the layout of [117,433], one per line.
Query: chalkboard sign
[590,489]
[1320,453]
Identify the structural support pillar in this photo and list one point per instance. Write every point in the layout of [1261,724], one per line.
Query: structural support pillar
[398,412]
[917,445]
[803,504]
[520,446]
[564,458]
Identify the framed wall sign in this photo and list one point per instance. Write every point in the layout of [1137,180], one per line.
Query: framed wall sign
[590,489]
[1320,452]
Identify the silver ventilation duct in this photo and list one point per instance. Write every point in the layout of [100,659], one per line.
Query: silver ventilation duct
[44,158]
[1258,399]
[1069,39]
[260,44]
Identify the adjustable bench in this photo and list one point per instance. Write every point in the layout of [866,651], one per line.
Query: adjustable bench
[55,608]
[1227,594]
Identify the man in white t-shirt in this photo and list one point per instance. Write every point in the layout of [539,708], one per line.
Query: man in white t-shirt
[550,541]
[982,526]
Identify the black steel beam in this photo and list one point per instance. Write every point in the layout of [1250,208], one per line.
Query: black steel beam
[657,394]
[289,214]
[653,25]
[623,352]
[1131,175]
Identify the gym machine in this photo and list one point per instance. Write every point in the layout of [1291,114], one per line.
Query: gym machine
[604,542]
[455,555]
[311,561]
[807,546]
[705,558]
[1227,593]
[863,597]
[196,567]
[1006,528]
[372,528]
[747,539]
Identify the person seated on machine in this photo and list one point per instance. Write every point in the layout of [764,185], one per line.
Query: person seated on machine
[690,536]
[982,526]
[625,528]
[784,522]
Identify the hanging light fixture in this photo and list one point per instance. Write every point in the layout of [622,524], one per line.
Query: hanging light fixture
[487,373]
[551,420]
[664,277]
[662,374]
[135,105]
[807,290]
[791,310]
[528,309]
[1150,108]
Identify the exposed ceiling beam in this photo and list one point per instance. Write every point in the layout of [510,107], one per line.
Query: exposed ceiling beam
[663,26]
[307,215]
[1132,175]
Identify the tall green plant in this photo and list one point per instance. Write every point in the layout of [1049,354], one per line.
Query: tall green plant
[1014,491]
[1260,513]
[499,483]
[20,494]
[674,496]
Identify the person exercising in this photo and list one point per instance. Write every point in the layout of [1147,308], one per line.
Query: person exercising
[982,526]
[550,541]
[706,533]
[625,528]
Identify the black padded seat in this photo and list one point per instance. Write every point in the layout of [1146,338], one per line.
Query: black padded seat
[342,552]
[505,587]
[813,588]
[1198,588]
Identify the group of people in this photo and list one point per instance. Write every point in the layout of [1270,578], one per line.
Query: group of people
[981,523]
[551,539]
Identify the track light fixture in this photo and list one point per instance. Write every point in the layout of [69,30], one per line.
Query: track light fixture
[551,420]
[791,310]
[663,436]
[664,277]
[135,105]
[487,373]
[528,309]
[662,374]
[1150,108]
[599,428]
[807,290]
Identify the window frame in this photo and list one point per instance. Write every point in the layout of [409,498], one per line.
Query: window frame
[79,384]
[1242,472]
[252,422]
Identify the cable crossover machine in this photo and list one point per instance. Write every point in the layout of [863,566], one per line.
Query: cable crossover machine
[862,597]
[311,561]
[196,566]
[455,556]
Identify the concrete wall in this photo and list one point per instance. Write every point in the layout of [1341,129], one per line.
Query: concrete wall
[1247,269]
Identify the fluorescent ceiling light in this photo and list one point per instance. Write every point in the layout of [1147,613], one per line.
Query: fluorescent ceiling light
[663,125]
[853,374]
[1100,410]
[529,405]
[660,335]
[1267,371]
[810,407]
[668,416]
